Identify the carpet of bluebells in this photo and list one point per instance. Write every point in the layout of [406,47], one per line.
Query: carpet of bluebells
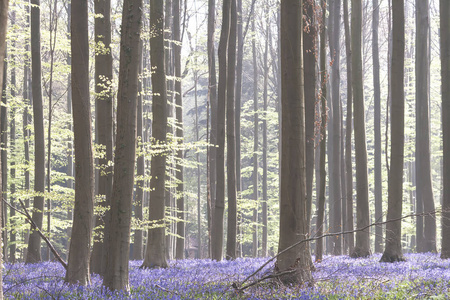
[422,276]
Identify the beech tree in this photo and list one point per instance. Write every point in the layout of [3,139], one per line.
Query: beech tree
[393,247]
[293,216]
[83,212]
[155,254]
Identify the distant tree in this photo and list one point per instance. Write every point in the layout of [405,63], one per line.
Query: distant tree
[155,254]
[393,246]
[323,134]
[179,254]
[377,127]
[362,246]
[293,216]
[444,6]
[83,212]
[217,221]
[349,239]
[13,153]
[118,239]
[3,29]
[34,242]
[104,124]
[255,145]
[4,157]
[424,189]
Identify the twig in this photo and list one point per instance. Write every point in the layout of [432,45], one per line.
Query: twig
[35,227]
[166,290]
[241,288]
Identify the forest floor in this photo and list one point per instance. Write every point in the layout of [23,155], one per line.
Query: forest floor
[422,276]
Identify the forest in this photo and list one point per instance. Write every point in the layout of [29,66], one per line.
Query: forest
[234,149]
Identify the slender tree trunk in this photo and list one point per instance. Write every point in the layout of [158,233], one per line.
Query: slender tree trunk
[80,242]
[138,246]
[444,8]
[309,54]
[335,165]
[217,221]
[231,137]
[3,30]
[12,149]
[377,127]
[323,135]
[349,239]
[34,242]
[212,97]
[393,247]
[179,132]
[104,127]
[293,216]
[4,159]
[255,145]
[155,255]
[424,194]
[362,246]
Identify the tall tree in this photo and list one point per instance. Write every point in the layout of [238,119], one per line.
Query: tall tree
[155,255]
[34,242]
[444,9]
[212,97]
[83,213]
[335,162]
[393,246]
[424,189]
[4,159]
[217,221]
[12,239]
[323,134]
[116,272]
[362,246]
[377,126]
[3,28]
[349,239]
[255,144]
[293,216]
[179,254]
[231,136]
[104,124]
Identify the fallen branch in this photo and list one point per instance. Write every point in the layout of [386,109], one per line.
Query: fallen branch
[239,286]
[35,227]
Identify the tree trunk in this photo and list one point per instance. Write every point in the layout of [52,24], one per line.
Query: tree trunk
[3,30]
[34,242]
[323,136]
[4,159]
[393,247]
[231,137]
[255,143]
[212,95]
[83,213]
[424,193]
[293,219]
[138,245]
[444,6]
[116,271]
[217,221]
[104,124]
[12,238]
[155,255]
[309,54]
[179,132]
[377,128]
[362,246]
[349,239]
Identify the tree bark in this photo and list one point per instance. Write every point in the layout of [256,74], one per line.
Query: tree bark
[293,216]
[3,29]
[83,213]
[424,189]
[4,159]
[393,247]
[12,237]
[362,246]
[255,144]
[444,6]
[34,242]
[104,124]
[377,128]
[217,222]
[155,255]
